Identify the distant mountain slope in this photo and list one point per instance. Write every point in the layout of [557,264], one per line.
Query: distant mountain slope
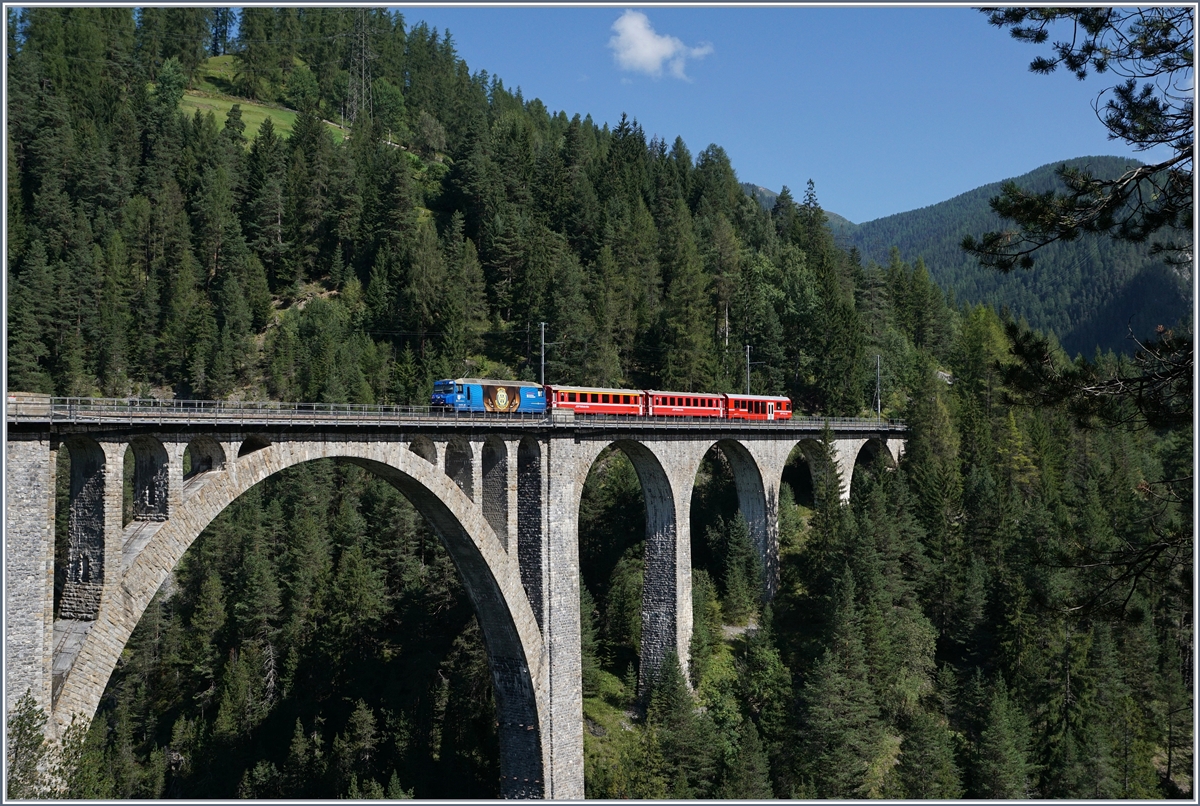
[766,198]
[1089,293]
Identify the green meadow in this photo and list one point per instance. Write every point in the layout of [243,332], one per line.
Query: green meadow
[253,114]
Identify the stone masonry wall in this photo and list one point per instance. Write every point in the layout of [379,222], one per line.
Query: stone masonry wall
[85,534]
[529,523]
[495,488]
[28,567]
[149,482]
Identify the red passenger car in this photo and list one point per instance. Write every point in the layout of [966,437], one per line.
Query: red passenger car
[757,407]
[682,404]
[590,400]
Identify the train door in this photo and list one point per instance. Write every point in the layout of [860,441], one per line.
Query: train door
[770,410]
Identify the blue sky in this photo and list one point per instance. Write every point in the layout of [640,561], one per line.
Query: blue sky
[886,109]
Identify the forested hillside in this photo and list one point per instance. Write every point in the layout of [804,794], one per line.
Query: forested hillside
[1090,293]
[1007,613]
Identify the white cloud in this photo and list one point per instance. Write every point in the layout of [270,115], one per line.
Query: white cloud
[637,47]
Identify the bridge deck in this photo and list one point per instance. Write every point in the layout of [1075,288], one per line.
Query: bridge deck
[67,411]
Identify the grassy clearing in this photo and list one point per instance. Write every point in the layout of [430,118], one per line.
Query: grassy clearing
[253,114]
[608,734]
[215,75]
[213,91]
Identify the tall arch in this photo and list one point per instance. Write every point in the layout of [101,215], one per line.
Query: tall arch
[660,583]
[758,508]
[509,629]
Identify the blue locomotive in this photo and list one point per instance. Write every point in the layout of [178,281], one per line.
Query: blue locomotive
[474,394]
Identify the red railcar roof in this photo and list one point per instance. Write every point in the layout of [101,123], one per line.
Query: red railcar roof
[561,388]
[758,397]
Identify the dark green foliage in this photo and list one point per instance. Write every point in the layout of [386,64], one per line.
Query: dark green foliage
[927,769]
[26,749]
[1003,768]
[843,736]
[685,737]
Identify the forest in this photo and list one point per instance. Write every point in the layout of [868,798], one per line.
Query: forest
[1005,614]
[1093,293]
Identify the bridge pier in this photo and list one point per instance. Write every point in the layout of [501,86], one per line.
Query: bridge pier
[29,567]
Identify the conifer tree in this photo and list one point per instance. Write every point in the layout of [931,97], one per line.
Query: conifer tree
[1002,767]
[842,734]
[686,363]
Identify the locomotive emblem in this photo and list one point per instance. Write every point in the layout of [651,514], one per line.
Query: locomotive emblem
[498,398]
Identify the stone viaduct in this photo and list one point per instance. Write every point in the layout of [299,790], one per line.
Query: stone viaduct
[503,492]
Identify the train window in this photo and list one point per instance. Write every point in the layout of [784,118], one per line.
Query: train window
[460,389]
[604,398]
[570,397]
[624,398]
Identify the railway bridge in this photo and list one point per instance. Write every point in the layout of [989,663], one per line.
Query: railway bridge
[502,491]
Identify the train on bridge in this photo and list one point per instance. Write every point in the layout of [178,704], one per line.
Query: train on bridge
[510,397]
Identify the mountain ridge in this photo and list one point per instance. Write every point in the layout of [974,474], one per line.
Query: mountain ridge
[1094,293]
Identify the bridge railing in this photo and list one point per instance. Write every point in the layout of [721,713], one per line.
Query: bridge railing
[40,408]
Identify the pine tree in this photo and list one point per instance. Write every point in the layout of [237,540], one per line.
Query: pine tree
[841,735]
[687,340]
[927,768]
[684,736]
[747,776]
[1002,767]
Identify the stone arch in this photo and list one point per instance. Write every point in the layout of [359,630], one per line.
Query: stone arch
[798,472]
[759,505]
[530,540]
[459,461]
[252,443]
[201,455]
[495,486]
[149,479]
[509,629]
[660,616]
[818,463]
[80,580]
[871,451]
[423,446]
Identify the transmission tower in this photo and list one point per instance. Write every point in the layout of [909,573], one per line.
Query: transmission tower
[361,57]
